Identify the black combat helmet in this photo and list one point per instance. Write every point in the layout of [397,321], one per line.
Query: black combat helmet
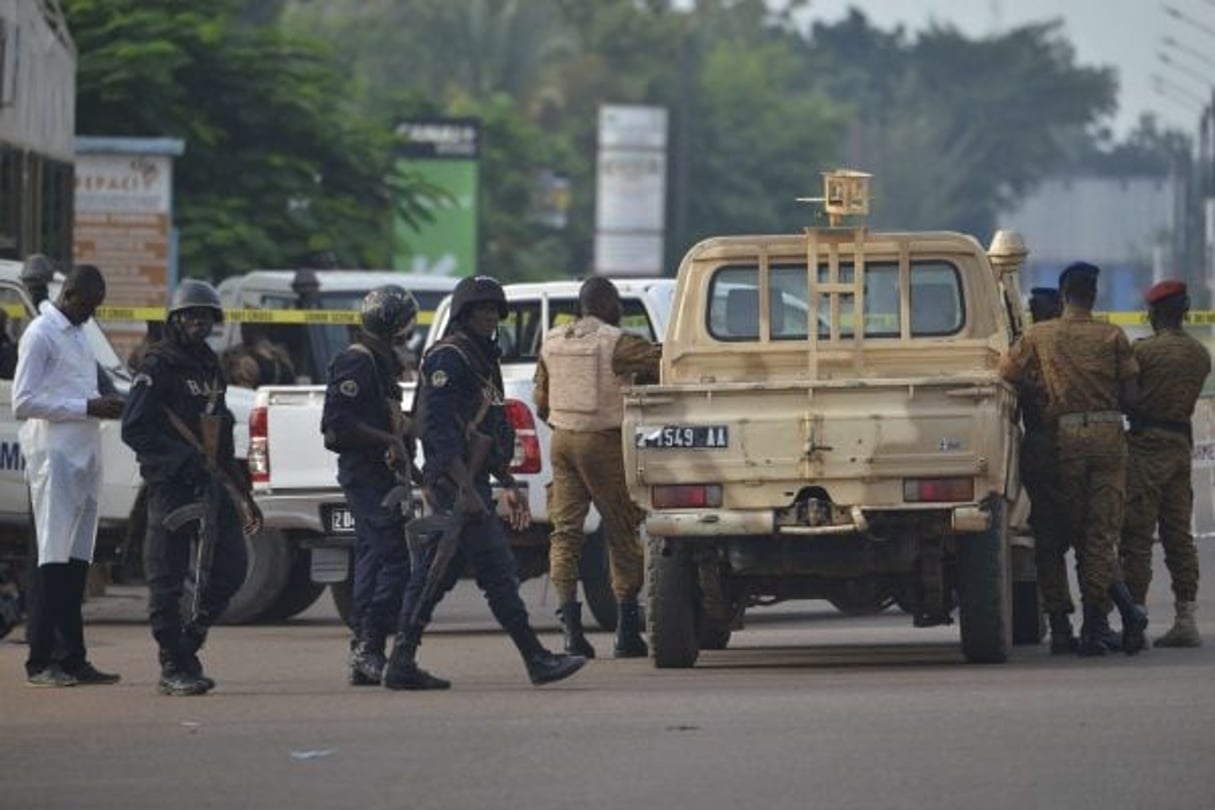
[193,293]
[37,269]
[476,290]
[387,310]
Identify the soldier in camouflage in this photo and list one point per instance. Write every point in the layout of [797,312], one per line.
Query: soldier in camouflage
[1090,376]
[1172,369]
[1039,474]
[579,379]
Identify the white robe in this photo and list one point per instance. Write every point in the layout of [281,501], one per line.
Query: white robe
[56,376]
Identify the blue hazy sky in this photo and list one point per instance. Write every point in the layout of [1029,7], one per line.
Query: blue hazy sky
[1124,34]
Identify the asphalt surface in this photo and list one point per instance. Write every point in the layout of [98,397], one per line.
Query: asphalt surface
[807,709]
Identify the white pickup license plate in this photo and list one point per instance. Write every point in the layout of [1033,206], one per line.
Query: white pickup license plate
[709,437]
[338,520]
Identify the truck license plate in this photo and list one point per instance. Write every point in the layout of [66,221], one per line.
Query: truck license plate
[338,520]
[684,436]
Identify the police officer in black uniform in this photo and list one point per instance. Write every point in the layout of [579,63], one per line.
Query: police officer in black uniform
[363,424]
[178,382]
[460,389]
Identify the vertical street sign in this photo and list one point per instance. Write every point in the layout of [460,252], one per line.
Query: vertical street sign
[630,192]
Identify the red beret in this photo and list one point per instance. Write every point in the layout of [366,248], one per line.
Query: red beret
[1164,289]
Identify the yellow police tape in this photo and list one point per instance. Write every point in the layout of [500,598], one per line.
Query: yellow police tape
[296,316]
[1202,317]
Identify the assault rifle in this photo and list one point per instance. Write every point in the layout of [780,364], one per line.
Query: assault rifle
[401,495]
[205,511]
[451,526]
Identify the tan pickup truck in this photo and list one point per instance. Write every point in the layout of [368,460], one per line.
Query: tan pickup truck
[830,423]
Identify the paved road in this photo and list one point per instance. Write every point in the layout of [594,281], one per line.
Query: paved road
[806,710]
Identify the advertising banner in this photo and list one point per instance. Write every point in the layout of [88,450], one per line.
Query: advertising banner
[445,152]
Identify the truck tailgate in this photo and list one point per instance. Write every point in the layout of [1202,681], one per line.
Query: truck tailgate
[298,458]
[840,435]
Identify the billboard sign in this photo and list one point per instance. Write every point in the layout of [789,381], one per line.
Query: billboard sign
[444,152]
[630,192]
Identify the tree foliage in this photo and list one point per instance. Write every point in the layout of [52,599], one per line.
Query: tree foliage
[289,141]
[276,165]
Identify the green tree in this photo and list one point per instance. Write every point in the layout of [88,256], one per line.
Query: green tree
[276,164]
[957,128]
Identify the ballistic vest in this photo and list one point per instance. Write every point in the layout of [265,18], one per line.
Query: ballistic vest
[583,391]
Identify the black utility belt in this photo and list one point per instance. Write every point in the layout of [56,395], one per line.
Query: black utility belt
[1182,428]
[1090,418]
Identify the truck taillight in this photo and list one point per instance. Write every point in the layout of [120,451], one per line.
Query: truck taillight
[686,496]
[526,459]
[938,490]
[259,436]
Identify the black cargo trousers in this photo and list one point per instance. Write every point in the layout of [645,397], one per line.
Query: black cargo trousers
[168,558]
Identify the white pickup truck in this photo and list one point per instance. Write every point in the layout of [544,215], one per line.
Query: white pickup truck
[295,477]
[279,583]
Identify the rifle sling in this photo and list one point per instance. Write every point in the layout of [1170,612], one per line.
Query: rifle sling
[237,492]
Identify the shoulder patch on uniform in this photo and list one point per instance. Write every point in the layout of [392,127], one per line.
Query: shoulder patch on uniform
[349,388]
[438,379]
[142,379]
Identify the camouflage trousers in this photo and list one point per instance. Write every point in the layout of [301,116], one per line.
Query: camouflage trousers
[1040,475]
[588,467]
[1159,500]
[1092,490]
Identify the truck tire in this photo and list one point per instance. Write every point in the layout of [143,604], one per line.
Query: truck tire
[674,608]
[596,574]
[270,561]
[343,600]
[299,593]
[1026,614]
[985,591]
[714,636]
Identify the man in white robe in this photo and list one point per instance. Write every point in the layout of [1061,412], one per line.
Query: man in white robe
[55,392]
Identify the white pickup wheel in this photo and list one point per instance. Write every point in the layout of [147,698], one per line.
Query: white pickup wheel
[270,560]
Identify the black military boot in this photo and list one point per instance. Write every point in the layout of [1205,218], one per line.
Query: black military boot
[403,671]
[1093,632]
[629,643]
[193,637]
[367,660]
[175,678]
[546,667]
[571,624]
[1062,640]
[1134,619]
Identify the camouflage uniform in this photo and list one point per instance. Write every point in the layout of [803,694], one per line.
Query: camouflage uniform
[588,467]
[1082,362]
[261,363]
[1172,369]
[1040,475]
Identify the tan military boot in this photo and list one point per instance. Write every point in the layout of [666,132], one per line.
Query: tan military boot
[1184,632]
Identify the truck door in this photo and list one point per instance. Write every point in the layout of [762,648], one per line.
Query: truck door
[13,492]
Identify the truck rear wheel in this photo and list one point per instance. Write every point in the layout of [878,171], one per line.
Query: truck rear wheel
[299,593]
[985,591]
[343,600]
[596,574]
[673,605]
[270,561]
[1027,616]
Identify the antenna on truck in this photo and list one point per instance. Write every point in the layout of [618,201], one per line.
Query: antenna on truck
[845,194]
